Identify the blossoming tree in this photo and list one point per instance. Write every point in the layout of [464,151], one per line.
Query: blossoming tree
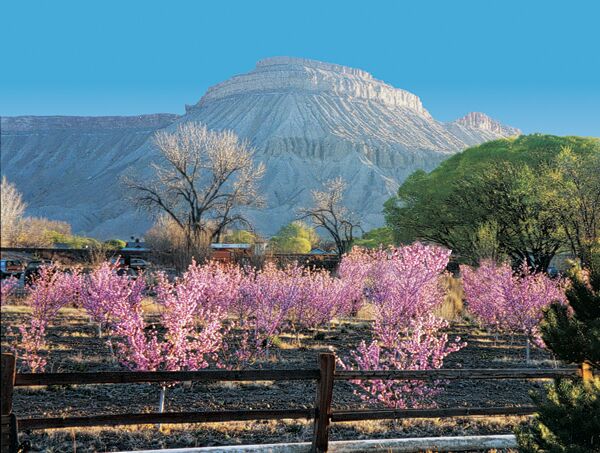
[49,291]
[404,287]
[510,302]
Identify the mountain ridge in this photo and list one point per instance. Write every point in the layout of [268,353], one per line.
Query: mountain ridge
[308,120]
[49,122]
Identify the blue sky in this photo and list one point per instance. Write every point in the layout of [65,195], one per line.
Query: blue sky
[531,64]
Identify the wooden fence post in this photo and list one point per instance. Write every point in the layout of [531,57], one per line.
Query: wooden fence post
[323,403]
[8,439]
[586,372]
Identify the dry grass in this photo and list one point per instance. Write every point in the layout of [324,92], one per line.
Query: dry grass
[366,312]
[238,433]
[452,307]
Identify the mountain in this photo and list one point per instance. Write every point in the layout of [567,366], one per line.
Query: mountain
[309,121]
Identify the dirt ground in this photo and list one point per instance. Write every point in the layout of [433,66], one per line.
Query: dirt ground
[74,346]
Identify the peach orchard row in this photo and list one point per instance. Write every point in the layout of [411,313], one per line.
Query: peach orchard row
[200,311]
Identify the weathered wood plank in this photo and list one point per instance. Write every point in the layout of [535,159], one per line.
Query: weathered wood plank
[124,377]
[4,421]
[169,417]
[348,416]
[405,445]
[473,373]
[323,403]
[7,380]
[8,434]
[129,377]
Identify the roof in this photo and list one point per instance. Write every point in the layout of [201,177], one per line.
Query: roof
[134,245]
[319,252]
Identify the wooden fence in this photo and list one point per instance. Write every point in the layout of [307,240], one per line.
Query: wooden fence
[322,414]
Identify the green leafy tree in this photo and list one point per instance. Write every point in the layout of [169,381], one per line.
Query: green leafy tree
[377,237]
[295,237]
[239,237]
[115,243]
[510,197]
[574,191]
[568,418]
[514,186]
[486,243]
[72,241]
[292,245]
[573,332]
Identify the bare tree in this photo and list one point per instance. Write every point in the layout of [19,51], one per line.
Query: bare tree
[11,211]
[329,212]
[37,231]
[204,179]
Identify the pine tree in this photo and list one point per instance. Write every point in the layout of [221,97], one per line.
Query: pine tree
[575,337]
[568,417]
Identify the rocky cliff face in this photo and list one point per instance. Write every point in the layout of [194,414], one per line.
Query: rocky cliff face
[480,121]
[69,168]
[308,120]
[285,74]
[91,123]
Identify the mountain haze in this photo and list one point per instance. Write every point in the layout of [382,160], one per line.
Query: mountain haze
[309,121]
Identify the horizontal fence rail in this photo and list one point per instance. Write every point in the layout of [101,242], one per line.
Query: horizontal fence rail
[131,377]
[351,416]
[169,417]
[321,413]
[459,373]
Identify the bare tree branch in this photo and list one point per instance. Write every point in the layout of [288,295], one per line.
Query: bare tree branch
[204,181]
[328,212]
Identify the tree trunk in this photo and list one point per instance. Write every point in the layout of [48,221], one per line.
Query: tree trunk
[161,402]
[112,351]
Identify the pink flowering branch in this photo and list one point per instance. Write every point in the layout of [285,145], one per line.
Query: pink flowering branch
[423,348]
[510,302]
[7,287]
[404,287]
[50,290]
[104,292]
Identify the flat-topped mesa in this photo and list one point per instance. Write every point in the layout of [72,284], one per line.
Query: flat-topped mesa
[29,123]
[315,64]
[481,121]
[289,75]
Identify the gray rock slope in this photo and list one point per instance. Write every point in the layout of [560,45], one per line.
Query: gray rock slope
[308,120]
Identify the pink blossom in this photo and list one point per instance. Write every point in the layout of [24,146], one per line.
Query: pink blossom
[507,301]
[403,285]
[423,348]
[7,286]
[105,292]
[510,302]
[49,291]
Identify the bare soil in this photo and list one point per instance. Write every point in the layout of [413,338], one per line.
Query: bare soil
[74,346]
